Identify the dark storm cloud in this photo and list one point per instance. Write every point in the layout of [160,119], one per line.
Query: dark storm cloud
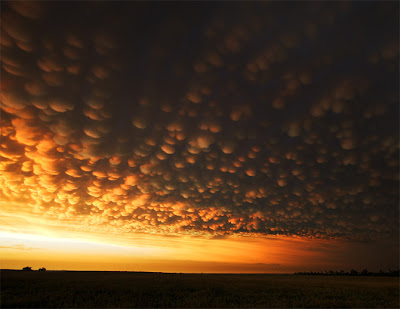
[204,119]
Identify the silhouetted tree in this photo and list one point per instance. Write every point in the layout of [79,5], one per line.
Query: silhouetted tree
[42,269]
[353,272]
[27,268]
[364,272]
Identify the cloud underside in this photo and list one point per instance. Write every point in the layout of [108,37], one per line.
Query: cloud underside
[223,127]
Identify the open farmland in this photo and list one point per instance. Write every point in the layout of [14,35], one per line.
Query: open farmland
[128,289]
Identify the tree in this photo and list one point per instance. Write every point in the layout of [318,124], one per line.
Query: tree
[27,268]
[42,269]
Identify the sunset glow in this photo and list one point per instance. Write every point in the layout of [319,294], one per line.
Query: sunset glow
[188,138]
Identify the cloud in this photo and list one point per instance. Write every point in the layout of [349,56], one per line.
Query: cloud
[246,133]
[19,247]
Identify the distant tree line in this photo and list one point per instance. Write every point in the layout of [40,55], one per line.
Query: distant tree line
[28,268]
[353,272]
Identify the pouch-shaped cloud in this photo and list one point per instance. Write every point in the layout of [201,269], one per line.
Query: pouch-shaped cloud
[139,122]
[241,112]
[227,146]
[13,100]
[203,140]
[60,105]
[168,149]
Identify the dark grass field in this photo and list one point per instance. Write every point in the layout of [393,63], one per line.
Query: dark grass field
[54,289]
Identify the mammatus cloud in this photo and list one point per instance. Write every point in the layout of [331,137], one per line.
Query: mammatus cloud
[244,131]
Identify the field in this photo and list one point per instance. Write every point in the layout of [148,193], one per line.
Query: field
[53,289]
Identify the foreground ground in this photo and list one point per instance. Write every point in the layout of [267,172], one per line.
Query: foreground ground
[53,289]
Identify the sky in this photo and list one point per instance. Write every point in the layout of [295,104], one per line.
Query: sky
[248,137]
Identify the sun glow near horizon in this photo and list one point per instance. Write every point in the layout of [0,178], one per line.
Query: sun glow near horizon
[178,254]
